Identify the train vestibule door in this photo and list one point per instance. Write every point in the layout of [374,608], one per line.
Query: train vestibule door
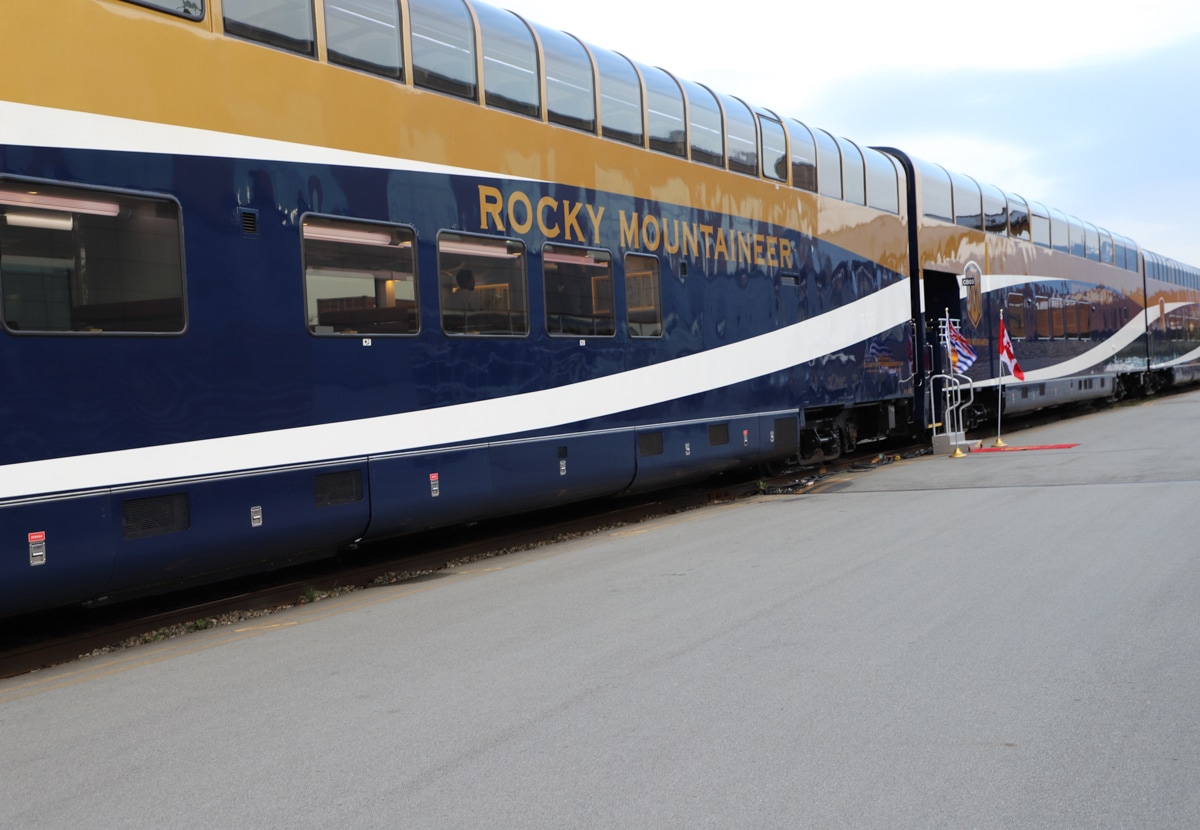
[941,294]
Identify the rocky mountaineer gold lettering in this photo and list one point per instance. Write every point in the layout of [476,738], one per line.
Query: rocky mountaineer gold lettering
[564,219]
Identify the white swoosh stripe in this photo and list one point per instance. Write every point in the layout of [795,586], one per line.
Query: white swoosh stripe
[694,374]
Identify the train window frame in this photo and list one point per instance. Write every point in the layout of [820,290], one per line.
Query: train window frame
[804,168]
[652,272]
[1106,246]
[428,19]
[598,299]
[1060,231]
[301,43]
[459,252]
[995,209]
[705,125]
[344,237]
[937,191]
[772,146]
[510,62]
[967,195]
[883,181]
[662,90]
[570,79]
[1020,222]
[829,165]
[619,111]
[1039,224]
[1077,237]
[1042,328]
[741,135]
[359,23]
[1091,241]
[162,6]
[854,172]
[114,252]
[1015,310]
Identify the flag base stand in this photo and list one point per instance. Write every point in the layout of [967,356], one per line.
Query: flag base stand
[999,443]
[958,453]
[953,444]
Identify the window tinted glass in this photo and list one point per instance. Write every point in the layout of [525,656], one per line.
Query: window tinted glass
[1014,316]
[570,88]
[184,8]
[804,156]
[883,188]
[968,210]
[579,291]
[1091,241]
[510,69]
[287,24]
[995,209]
[359,277]
[854,180]
[664,111]
[741,136]
[481,285]
[773,148]
[1039,224]
[1106,247]
[365,34]
[1018,217]
[643,295]
[829,165]
[443,47]
[620,97]
[936,199]
[75,260]
[1078,242]
[704,125]
[1060,233]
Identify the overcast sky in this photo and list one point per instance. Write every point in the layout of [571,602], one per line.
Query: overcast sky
[1092,108]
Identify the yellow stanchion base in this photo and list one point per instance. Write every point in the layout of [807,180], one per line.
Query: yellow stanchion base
[999,443]
[958,453]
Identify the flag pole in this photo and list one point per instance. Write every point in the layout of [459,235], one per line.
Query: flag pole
[1000,393]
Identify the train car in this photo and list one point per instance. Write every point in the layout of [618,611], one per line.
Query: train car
[1089,316]
[278,278]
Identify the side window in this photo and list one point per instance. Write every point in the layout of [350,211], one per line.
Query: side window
[741,137]
[76,260]
[193,9]
[365,34]
[773,148]
[829,165]
[1014,315]
[510,68]
[704,125]
[1060,236]
[1018,217]
[968,202]
[359,277]
[579,291]
[443,47]
[287,24]
[936,199]
[883,183]
[804,157]
[995,209]
[620,98]
[854,180]
[1039,225]
[643,295]
[570,84]
[481,285]
[1078,242]
[664,112]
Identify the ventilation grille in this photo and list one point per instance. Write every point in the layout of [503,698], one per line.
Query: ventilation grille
[141,518]
[330,489]
[249,220]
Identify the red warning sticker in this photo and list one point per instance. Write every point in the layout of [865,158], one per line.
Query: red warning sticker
[37,536]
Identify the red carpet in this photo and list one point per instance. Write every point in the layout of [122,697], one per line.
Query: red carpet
[1022,449]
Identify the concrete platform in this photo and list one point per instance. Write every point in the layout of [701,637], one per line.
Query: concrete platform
[1007,640]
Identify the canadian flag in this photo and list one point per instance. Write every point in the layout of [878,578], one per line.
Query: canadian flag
[1007,357]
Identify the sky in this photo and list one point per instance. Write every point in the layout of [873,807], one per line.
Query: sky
[1089,107]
